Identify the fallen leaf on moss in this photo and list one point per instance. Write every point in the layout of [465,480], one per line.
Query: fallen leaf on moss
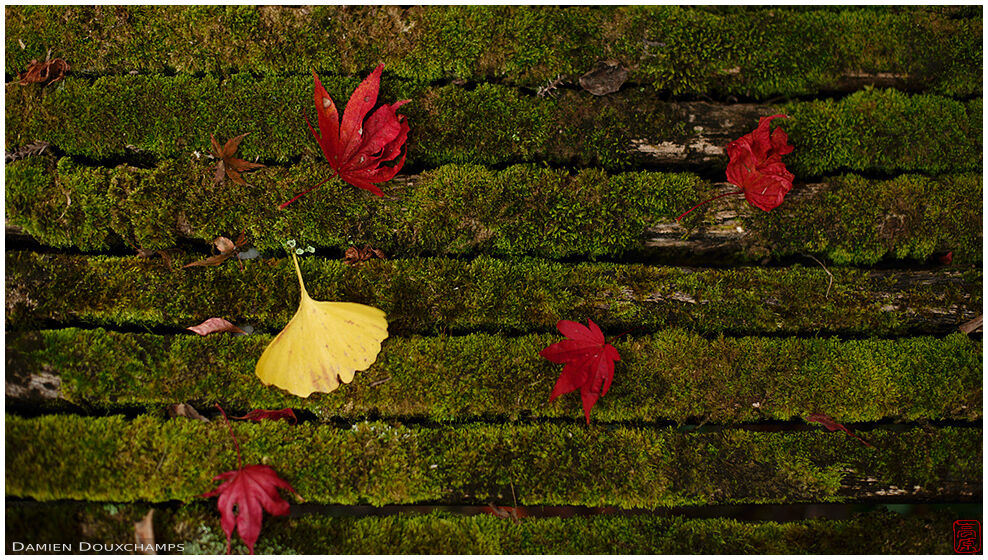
[215,325]
[46,73]
[230,166]
[323,345]
[756,167]
[144,534]
[832,425]
[607,77]
[226,250]
[182,410]
[261,414]
[505,512]
[358,146]
[148,254]
[245,495]
[355,256]
[588,362]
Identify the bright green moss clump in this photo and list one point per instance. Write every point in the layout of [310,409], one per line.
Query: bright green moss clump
[754,51]
[884,131]
[197,528]
[672,375]
[434,295]
[148,458]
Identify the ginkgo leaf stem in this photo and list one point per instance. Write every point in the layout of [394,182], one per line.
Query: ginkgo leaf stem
[300,195]
[298,271]
[240,463]
[683,215]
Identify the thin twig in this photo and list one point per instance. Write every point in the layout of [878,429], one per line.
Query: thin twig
[829,284]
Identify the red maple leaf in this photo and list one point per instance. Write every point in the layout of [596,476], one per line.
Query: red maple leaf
[261,414]
[358,147]
[832,425]
[250,490]
[588,362]
[756,167]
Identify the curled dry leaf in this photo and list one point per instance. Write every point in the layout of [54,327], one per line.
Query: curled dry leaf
[215,325]
[230,166]
[144,534]
[149,254]
[35,148]
[607,77]
[182,410]
[226,250]
[45,73]
[832,425]
[355,256]
[261,414]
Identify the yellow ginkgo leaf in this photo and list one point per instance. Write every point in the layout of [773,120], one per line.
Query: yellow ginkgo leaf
[323,345]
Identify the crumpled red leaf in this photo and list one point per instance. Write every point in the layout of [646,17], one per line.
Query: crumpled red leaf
[261,414]
[245,495]
[756,165]
[226,250]
[832,425]
[46,73]
[215,325]
[588,362]
[250,490]
[358,146]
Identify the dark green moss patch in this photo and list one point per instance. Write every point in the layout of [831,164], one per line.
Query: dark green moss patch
[152,459]
[445,295]
[759,52]
[197,528]
[672,375]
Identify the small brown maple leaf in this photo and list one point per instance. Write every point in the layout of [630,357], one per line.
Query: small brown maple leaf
[230,166]
[355,256]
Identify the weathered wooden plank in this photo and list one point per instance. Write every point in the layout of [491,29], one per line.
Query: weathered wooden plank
[148,458]
[872,130]
[435,295]
[754,52]
[670,376]
[195,529]
[521,210]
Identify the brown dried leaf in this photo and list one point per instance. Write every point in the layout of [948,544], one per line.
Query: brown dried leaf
[226,248]
[215,325]
[46,73]
[35,148]
[150,253]
[144,534]
[607,77]
[230,166]
[355,256]
[182,410]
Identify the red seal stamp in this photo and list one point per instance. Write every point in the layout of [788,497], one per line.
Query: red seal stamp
[967,536]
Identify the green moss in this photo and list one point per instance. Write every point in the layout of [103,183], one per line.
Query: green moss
[153,459]
[447,295]
[853,220]
[469,209]
[758,52]
[197,528]
[887,131]
[883,131]
[672,375]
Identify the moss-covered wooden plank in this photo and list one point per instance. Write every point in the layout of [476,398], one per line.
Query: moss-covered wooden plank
[433,295]
[875,130]
[521,210]
[196,529]
[671,376]
[149,458]
[754,51]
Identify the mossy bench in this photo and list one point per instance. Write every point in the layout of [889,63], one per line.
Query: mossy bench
[524,200]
